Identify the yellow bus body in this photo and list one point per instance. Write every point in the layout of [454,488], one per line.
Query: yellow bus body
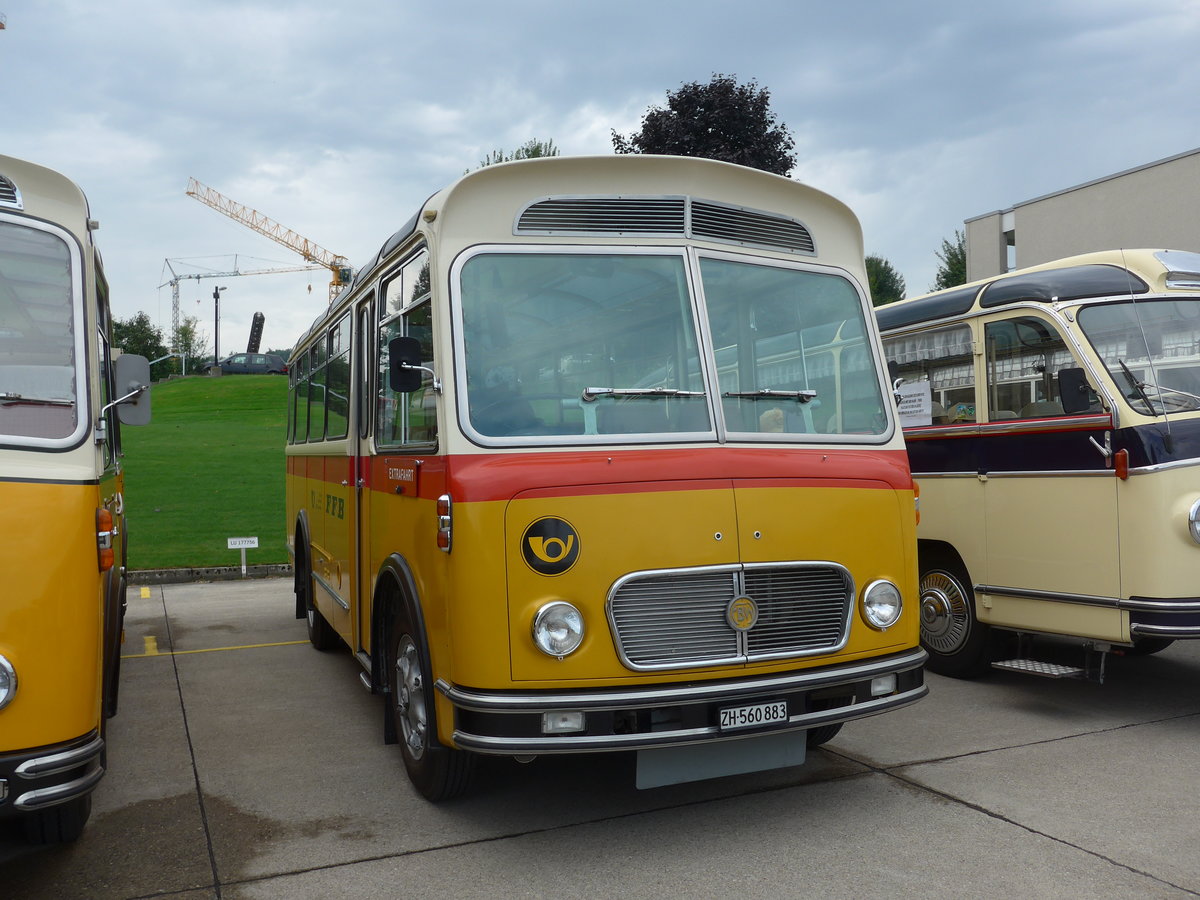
[461,533]
[62,490]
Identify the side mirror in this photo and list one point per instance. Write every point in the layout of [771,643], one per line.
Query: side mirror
[1074,392]
[132,376]
[404,364]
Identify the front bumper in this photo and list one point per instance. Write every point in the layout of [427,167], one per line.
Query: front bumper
[47,776]
[510,723]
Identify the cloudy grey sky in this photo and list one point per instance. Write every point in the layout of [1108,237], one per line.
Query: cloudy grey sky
[338,118]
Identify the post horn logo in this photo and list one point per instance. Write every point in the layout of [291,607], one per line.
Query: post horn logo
[741,614]
[550,546]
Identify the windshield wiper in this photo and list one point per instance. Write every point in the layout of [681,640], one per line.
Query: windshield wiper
[15,399]
[589,395]
[1138,386]
[767,393]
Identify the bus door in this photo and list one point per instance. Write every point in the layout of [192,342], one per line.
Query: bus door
[1050,499]
[361,373]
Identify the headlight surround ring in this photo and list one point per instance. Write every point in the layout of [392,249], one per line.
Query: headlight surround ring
[558,629]
[8,682]
[882,604]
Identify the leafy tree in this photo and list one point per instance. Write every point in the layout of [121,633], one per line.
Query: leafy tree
[886,284]
[953,270]
[192,344]
[140,336]
[531,149]
[720,120]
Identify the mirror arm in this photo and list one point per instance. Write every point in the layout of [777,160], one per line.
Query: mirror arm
[437,382]
[136,392]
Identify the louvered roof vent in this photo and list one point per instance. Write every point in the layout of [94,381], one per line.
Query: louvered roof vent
[617,216]
[9,195]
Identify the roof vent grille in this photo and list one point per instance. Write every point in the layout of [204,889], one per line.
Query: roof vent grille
[9,195]
[665,216]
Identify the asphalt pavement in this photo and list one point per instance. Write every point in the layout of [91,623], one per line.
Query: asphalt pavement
[245,764]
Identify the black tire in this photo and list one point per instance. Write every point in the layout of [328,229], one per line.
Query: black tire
[60,824]
[437,772]
[1147,646]
[822,734]
[958,644]
[320,633]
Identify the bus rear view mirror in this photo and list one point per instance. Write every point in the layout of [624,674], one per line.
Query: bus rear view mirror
[404,367]
[1074,391]
[132,376]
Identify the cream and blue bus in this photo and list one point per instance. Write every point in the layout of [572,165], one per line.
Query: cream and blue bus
[1052,417]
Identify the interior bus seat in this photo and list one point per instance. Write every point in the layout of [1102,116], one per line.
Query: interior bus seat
[1041,409]
[937,413]
[997,414]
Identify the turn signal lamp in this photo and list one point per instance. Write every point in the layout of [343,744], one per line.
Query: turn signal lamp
[104,539]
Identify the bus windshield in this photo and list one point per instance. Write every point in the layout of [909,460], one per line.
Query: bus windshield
[600,344]
[37,335]
[1151,349]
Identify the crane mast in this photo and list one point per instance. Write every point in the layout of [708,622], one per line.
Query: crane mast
[338,265]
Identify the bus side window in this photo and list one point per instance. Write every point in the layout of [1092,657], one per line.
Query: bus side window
[407,418]
[1024,355]
[943,357]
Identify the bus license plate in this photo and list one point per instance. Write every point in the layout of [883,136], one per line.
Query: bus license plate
[751,716]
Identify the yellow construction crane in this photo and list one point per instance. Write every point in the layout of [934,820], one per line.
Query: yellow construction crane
[312,252]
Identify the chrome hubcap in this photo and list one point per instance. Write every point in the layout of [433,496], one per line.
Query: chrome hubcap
[410,697]
[945,618]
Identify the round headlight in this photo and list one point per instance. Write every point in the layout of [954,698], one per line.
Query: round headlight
[558,628]
[1194,521]
[882,604]
[8,682]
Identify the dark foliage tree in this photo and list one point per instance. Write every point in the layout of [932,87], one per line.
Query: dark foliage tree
[886,284]
[953,270]
[719,120]
[140,336]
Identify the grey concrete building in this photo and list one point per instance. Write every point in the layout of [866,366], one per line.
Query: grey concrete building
[1155,205]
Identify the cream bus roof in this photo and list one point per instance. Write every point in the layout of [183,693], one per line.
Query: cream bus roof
[1101,274]
[41,192]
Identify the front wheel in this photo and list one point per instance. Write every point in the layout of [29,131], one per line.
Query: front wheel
[437,772]
[958,644]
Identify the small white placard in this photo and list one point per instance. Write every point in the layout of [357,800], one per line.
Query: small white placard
[916,404]
[242,543]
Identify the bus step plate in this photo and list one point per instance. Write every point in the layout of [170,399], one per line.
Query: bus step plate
[1035,667]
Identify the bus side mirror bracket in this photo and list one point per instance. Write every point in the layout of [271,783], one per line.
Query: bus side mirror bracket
[404,367]
[1073,391]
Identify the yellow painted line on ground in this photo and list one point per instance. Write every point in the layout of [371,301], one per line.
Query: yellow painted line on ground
[152,648]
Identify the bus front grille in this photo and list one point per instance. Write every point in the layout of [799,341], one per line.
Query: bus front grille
[672,619]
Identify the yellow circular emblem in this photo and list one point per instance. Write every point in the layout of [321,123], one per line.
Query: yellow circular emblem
[741,613]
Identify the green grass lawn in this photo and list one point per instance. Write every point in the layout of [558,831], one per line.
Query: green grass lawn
[209,466]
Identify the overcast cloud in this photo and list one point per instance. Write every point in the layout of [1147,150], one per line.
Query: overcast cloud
[338,119]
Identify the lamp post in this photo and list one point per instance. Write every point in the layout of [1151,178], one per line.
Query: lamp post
[217,325]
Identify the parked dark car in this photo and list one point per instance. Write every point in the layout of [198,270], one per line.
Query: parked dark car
[253,364]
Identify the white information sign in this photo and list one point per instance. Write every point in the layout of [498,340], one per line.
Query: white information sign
[916,404]
[243,543]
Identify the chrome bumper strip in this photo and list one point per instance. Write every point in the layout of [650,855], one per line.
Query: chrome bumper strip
[596,743]
[679,694]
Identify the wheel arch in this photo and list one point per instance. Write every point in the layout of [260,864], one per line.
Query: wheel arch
[301,557]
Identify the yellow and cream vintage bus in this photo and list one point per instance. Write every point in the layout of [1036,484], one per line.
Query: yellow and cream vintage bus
[1052,417]
[599,454]
[64,393]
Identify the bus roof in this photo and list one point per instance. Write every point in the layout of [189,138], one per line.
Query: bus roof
[481,204]
[1102,274]
[42,193]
